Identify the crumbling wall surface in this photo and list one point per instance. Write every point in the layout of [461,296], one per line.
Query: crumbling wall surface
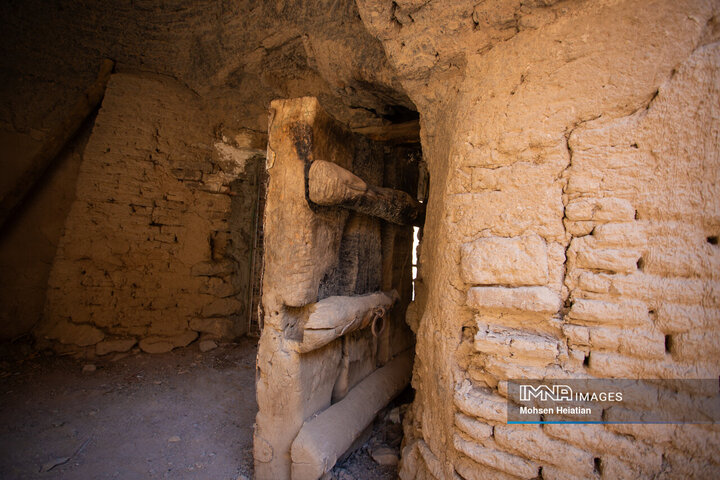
[572,224]
[147,255]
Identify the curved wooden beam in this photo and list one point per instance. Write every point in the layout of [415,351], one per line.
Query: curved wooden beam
[329,184]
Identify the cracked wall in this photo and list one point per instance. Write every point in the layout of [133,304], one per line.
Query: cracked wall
[571,224]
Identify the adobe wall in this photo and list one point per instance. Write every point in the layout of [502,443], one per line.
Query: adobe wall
[157,244]
[572,224]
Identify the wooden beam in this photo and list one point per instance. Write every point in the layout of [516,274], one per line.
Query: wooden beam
[324,438]
[408,132]
[333,317]
[330,184]
[56,139]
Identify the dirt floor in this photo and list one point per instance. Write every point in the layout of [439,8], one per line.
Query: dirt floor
[180,415]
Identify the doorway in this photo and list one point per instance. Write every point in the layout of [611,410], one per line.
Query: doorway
[337,279]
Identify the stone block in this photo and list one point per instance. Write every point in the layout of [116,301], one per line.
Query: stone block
[479,431]
[576,334]
[698,441]
[222,307]
[579,228]
[626,313]
[539,300]
[513,261]
[613,260]
[693,346]
[534,444]
[157,344]
[492,341]
[613,467]
[523,367]
[593,282]
[433,464]
[553,473]
[600,209]
[471,470]
[385,456]
[114,345]
[642,286]
[207,345]
[579,210]
[597,439]
[612,365]
[496,459]
[166,321]
[636,342]
[522,346]
[219,327]
[481,404]
[70,333]
[217,287]
[536,348]
[629,234]
[674,318]
[576,357]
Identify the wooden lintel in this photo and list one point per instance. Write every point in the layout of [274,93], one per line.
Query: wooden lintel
[408,132]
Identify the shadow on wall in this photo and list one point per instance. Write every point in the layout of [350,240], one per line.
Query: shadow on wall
[29,237]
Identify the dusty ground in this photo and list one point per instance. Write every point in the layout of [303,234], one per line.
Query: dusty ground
[360,465]
[181,415]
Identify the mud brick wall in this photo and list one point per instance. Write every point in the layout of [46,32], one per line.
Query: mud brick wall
[156,248]
[572,225]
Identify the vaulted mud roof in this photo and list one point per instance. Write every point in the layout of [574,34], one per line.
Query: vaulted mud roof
[236,53]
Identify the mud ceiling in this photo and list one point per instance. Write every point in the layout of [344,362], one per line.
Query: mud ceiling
[237,54]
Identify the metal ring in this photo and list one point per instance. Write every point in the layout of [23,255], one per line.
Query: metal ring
[374,327]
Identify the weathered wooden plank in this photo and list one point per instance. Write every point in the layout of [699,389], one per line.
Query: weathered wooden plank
[407,132]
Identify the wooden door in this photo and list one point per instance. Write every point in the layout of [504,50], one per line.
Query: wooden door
[334,348]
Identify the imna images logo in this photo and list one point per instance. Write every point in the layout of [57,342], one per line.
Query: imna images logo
[544,393]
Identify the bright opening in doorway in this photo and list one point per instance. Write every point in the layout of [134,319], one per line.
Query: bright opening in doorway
[416,244]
